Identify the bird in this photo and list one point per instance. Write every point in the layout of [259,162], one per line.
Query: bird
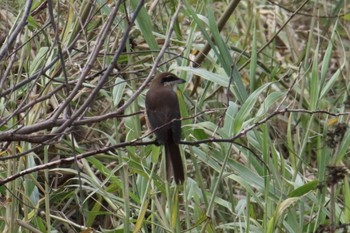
[163,117]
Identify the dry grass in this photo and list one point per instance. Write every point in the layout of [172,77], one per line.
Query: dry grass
[265,116]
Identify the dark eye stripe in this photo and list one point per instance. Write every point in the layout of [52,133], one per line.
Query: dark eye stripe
[169,79]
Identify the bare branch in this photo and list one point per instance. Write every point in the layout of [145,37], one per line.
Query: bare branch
[138,142]
[6,46]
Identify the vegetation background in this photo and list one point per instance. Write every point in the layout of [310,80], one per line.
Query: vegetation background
[265,113]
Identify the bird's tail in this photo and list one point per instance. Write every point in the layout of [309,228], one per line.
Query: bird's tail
[174,162]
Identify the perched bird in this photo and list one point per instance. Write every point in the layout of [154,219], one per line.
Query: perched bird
[162,110]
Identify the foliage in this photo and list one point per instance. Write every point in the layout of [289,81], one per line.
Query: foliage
[264,116]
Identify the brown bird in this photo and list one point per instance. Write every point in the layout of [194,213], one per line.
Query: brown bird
[162,110]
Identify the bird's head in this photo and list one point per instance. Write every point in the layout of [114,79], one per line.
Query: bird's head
[166,79]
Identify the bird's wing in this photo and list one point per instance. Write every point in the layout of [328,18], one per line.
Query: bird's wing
[160,113]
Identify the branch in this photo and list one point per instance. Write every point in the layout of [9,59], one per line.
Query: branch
[7,44]
[138,142]
[71,160]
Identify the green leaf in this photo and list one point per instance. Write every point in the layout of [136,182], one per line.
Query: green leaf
[253,61]
[302,190]
[330,83]
[229,118]
[245,112]
[118,91]
[314,84]
[39,59]
[269,101]
[220,79]
[344,147]
[144,22]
